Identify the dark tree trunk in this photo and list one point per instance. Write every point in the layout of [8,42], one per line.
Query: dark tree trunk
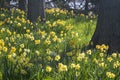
[36,9]
[108,26]
[86,7]
[22,5]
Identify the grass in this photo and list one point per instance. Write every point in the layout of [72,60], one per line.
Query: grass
[52,50]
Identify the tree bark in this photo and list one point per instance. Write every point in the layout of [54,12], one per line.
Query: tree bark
[86,7]
[108,26]
[22,5]
[36,9]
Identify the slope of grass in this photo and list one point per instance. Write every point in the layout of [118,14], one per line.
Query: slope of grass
[52,50]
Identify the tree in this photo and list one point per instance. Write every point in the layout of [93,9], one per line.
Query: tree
[86,7]
[108,26]
[96,4]
[36,9]
[22,5]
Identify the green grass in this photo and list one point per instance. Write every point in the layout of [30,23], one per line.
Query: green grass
[52,50]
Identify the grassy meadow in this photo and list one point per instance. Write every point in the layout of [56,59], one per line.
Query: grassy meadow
[53,50]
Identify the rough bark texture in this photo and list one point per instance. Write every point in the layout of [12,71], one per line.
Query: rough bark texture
[108,26]
[22,5]
[36,8]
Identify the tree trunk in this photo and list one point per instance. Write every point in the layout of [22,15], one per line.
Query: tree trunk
[22,5]
[86,7]
[108,26]
[36,9]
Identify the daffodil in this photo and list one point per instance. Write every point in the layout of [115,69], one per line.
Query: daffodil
[110,75]
[37,41]
[48,69]
[57,57]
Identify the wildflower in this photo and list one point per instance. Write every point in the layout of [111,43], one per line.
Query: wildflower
[62,67]
[69,27]
[54,24]
[69,53]
[1,48]
[89,52]
[102,64]
[55,38]
[2,43]
[49,58]
[116,64]
[37,41]
[82,15]
[52,33]
[110,75]
[61,34]
[14,33]
[71,42]
[102,47]
[19,24]
[101,54]
[76,34]
[6,38]
[28,31]
[28,21]
[14,54]
[81,56]
[13,49]
[77,73]
[59,40]
[114,55]
[86,59]
[57,57]
[65,34]
[37,52]
[5,49]
[2,15]
[9,56]
[24,27]
[1,23]
[22,45]
[3,29]
[12,39]
[23,71]
[48,51]
[27,50]
[9,44]
[23,20]
[48,69]
[72,65]
[43,33]
[47,41]
[109,59]
[32,38]
[24,54]
[91,21]
[60,22]
[77,66]
[72,32]
[95,60]
[20,50]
